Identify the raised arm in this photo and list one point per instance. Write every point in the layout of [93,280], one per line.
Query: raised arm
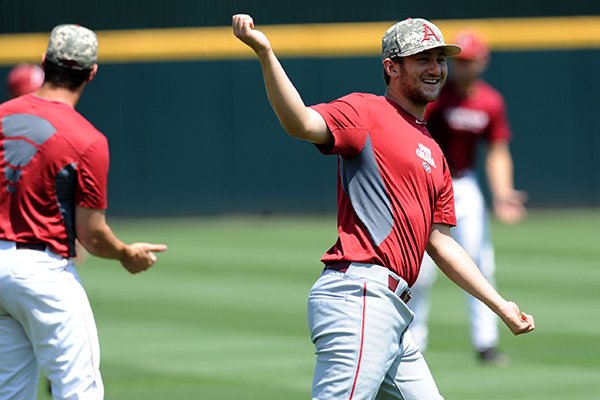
[96,236]
[454,261]
[298,120]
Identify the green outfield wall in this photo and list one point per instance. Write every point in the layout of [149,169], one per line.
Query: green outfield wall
[191,131]
[40,15]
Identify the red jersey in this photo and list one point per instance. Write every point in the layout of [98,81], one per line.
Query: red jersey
[457,123]
[52,160]
[393,183]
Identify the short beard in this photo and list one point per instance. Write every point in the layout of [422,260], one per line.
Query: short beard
[411,93]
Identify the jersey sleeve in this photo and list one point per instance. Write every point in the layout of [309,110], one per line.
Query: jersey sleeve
[444,207]
[347,119]
[93,176]
[499,129]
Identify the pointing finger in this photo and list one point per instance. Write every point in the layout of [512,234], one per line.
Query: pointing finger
[159,248]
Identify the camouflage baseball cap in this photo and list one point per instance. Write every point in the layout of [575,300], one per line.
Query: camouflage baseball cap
[412,36]
[72,46]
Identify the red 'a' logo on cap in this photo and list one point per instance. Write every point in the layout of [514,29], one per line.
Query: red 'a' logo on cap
[428,33]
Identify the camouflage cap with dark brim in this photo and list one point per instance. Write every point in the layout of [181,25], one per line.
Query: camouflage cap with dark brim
[73,47]
[412,36]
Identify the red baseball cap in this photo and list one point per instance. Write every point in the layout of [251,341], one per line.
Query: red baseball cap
[472,45]
[24,78]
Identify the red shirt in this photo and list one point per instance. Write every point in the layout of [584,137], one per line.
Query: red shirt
[52,160]
[457,122]
[393,183]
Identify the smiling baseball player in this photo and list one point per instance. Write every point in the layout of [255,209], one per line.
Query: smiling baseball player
[395,200]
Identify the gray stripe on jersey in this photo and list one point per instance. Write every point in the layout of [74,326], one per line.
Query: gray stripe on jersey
[12,175]
[34,128]
[364,185]
[18,152]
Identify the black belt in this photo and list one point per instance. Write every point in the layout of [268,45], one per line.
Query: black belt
[392,281]
[31,246]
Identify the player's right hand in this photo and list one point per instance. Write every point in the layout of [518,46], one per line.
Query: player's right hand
[243,29]
[138,257]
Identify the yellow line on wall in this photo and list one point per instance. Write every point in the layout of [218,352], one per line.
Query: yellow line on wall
[310,40]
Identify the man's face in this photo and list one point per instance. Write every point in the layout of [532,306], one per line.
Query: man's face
[467,71]
[423,75]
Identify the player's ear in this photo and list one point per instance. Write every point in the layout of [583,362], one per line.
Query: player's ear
[93,73]
[483,63]
[391,68]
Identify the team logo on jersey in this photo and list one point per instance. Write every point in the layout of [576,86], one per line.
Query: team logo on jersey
[24,134]
[424,153]
[467,119]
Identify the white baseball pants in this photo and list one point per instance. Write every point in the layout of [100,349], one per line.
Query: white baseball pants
[45,320]
[363,348]
[472,233]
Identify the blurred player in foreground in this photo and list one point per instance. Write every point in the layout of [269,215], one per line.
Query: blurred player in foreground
[23,79]
[394,200]
[52,191]
[467,112]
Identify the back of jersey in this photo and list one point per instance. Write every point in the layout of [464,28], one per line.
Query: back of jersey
[52,159]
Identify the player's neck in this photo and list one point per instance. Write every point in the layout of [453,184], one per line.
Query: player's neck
[62,95]
[417,110]
[464,89]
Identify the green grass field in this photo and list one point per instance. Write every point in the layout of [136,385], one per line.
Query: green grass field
[223,314]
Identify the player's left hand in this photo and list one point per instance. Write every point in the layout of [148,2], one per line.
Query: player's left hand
[518,322]
[510,209]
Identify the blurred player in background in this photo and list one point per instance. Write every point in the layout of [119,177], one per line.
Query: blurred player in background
[394,201]
[23,79]
[468,112]
[52,191]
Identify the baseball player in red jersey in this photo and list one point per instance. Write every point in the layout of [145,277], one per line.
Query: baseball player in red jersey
[395,200]
[469,111]
[52,191]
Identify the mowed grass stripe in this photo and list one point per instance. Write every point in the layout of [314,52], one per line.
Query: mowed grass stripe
[223,314]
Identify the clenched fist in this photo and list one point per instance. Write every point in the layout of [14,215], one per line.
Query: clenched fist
[518,322]
[243,29]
